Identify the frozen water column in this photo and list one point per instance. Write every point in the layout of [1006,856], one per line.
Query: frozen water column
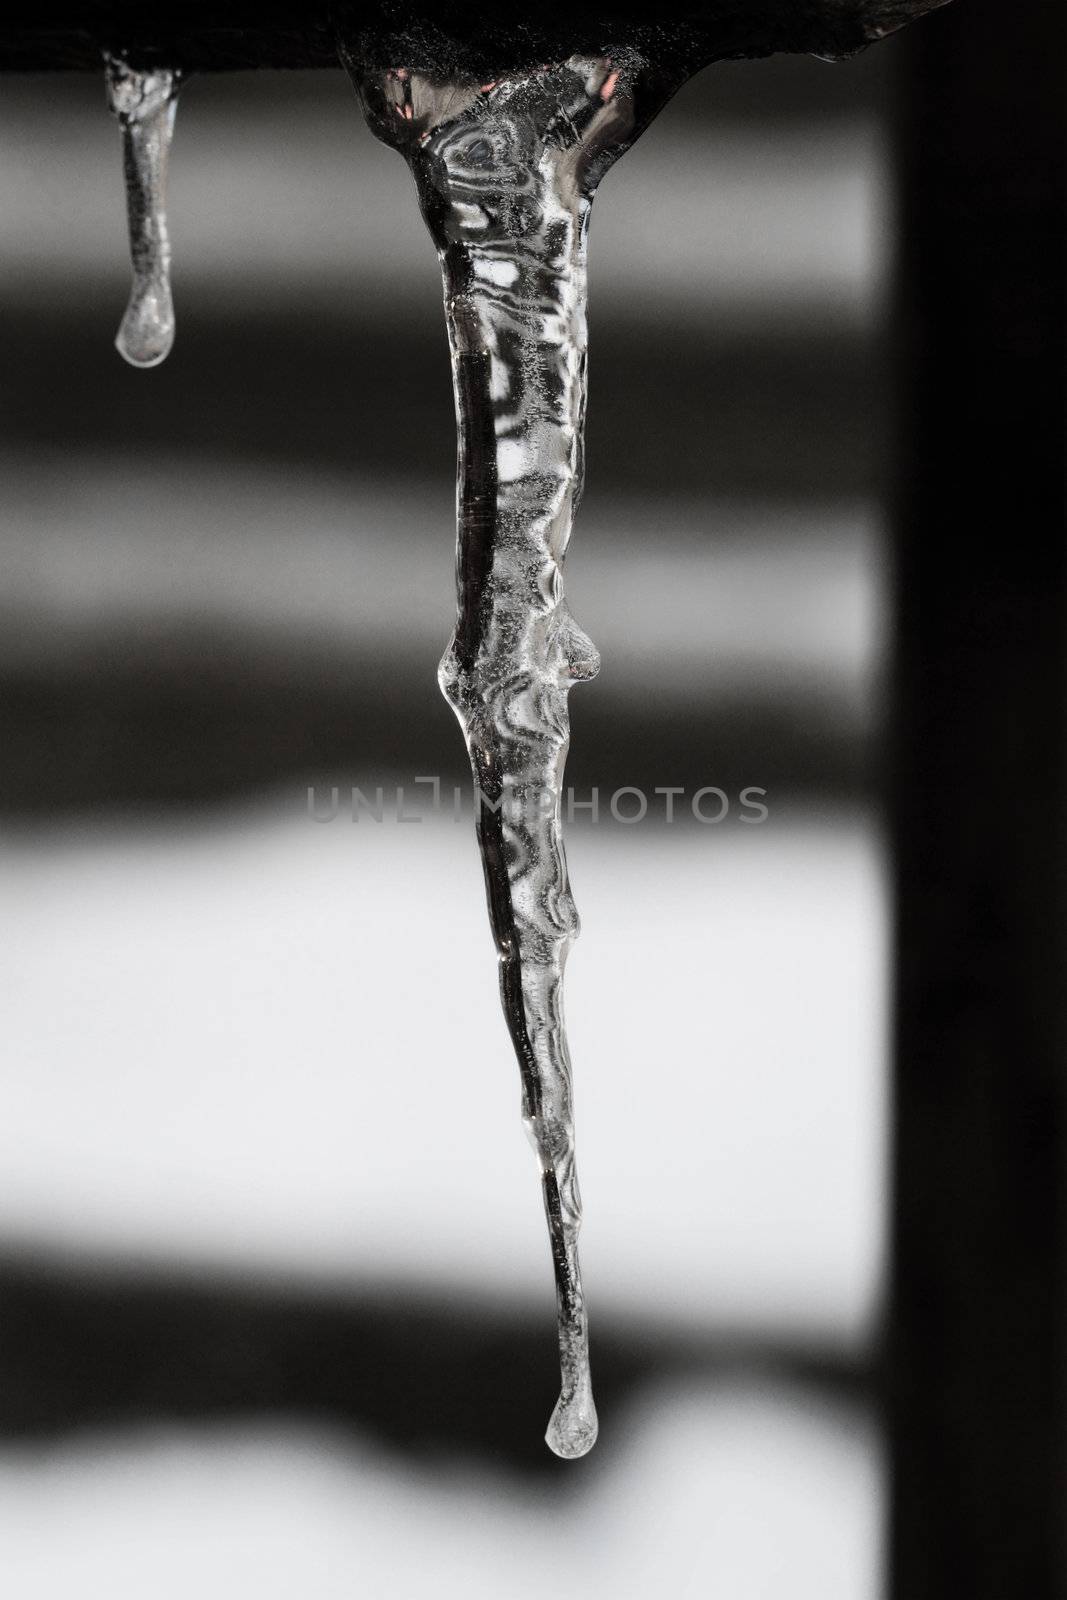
[506,172]
[145,102]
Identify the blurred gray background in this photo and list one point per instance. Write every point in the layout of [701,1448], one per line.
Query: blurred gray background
[277,1298]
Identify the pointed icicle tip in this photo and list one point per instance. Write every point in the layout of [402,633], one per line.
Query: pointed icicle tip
[144,102]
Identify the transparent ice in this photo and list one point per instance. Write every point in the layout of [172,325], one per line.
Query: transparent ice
[145,103]
[505,173]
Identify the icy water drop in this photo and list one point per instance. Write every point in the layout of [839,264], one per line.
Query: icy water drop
[145,103]
[505,174]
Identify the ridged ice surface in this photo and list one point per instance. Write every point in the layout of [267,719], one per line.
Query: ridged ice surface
[505,174]
[145,103]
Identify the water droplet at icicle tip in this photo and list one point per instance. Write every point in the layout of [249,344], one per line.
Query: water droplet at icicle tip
[144,101]
[506,172]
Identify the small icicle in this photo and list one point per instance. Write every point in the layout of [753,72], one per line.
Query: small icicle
[145,102]
[505,172]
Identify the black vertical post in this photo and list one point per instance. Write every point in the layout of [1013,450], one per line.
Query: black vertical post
[979,1359]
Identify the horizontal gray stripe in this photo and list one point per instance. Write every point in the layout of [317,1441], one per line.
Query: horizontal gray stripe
[263,190]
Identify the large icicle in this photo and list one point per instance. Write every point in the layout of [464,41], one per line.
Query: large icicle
[506,173]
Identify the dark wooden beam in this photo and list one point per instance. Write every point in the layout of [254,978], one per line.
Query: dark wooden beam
[448,35]
[980,1237]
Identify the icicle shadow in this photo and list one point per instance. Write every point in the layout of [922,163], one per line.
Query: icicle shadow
[505,173]
[145,103]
